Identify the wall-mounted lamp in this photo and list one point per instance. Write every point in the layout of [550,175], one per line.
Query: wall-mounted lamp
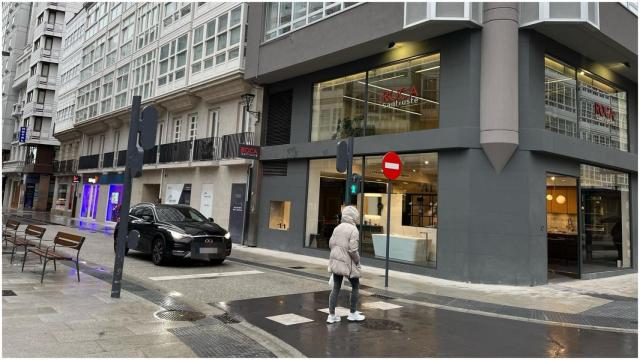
[248,99]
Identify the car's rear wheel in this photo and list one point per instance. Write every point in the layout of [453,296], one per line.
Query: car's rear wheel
[216,261]
[159,252]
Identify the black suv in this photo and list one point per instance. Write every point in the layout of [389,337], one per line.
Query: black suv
[176,231]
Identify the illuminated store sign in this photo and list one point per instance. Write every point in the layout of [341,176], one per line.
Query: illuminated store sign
[401,97]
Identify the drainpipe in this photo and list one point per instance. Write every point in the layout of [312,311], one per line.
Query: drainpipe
[499,83]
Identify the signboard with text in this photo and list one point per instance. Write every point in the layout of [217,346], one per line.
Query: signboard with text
[22,136]
[251,152]
[391,165]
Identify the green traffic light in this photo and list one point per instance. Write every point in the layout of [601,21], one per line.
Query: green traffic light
[354,189]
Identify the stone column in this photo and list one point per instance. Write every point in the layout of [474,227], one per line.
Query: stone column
[499,83]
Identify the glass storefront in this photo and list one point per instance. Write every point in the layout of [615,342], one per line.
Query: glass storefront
[605,207]
[414,207]
[399,98]
[580,104]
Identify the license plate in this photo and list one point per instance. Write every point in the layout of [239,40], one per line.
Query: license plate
[206,250]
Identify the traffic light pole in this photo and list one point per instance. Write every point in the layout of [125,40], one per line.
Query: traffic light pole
[347,189]
[140,133]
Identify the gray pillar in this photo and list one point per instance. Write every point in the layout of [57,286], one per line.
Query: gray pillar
[499,83]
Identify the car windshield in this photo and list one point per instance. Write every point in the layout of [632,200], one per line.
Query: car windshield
[178,214]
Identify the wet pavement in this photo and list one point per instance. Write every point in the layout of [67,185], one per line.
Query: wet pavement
[420,331]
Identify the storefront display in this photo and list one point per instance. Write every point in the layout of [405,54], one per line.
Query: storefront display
[401,97]
[414,203]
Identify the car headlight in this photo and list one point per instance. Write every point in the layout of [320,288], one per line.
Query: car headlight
[178,235]
[227,236]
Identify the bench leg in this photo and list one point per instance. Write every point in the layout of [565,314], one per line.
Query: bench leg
[78,270]
[44,266]
[24,259]
[13,252]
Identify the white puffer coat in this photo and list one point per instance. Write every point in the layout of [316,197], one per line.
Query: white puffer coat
[344,259]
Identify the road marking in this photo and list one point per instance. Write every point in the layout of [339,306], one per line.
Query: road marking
[207,275]
[289,319]
[381,305]
[340,311]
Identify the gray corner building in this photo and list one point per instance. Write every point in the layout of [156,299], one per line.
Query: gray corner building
[516,124]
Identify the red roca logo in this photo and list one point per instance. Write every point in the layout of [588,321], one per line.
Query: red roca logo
[604,111]
[399,94]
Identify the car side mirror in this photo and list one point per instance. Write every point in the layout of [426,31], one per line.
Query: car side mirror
[211,219]
[147,218]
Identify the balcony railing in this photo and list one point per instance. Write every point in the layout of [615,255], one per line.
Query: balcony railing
[150,156]
[65,166]
[174,152]
[207,149]
[107,159]
[89,162]
[48,54]
[231,143]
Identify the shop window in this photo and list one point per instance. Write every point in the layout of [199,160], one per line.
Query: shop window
[61,200]
[607,222]
[279,215]
[401,97]
[414,207]
[578,103]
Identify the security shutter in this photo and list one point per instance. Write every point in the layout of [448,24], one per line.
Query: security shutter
[279,118]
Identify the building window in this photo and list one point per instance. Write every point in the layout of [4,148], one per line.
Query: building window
[173,59]
[279,215]
[116,9]
[193,126]
[607,221]
[217,41]
[42,96]
[148,16]
[284,17]
[112,47]
[577,103]
[414,207]
[143,74]
[126,36]
[34,69]
[402,97]
[37,124]
[44,71]
[177,127]
[213,123]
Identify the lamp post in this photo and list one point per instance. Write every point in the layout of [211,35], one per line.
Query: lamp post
[253,179]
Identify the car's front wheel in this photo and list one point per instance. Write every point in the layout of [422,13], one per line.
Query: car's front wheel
[159,252]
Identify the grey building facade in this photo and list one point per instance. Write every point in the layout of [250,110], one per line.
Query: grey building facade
[518,137]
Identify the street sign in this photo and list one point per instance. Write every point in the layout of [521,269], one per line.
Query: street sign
[76,178]
[251,152]
[22,137]
[391,165]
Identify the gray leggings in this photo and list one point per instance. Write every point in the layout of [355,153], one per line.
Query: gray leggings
[333,298]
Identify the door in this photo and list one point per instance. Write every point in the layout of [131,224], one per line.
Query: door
[563,252]
[236,212]
[89,201]
[145,226]
[15,196]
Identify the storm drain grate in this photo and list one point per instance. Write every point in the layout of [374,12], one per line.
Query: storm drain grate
[383,297]
[8,293]
[227,318]
[297,267]
[179,315]
[381,324]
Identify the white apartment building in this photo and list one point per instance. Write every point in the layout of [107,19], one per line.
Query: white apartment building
[187,60]
[29,168]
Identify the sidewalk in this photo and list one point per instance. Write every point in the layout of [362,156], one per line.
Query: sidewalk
[606,304]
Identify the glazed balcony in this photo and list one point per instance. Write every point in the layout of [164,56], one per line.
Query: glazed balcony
[43,82]
[36,109]
[48,55]
[46,28]
[13,166]
[17,110]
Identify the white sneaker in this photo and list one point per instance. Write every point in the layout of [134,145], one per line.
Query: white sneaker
[356,316]
[333,319]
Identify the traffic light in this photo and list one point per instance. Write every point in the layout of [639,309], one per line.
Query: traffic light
[355,184]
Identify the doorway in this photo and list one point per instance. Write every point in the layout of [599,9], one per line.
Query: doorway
[236,212]
[15,195]
[563,252]
[89,201]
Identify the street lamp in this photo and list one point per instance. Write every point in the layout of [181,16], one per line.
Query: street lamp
[248,100]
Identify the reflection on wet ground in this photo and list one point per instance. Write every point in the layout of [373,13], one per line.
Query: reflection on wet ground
[40,218]
[420,331]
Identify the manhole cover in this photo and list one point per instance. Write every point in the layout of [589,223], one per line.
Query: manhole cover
[381,324]
[8,293]
[179,315]
[227,318]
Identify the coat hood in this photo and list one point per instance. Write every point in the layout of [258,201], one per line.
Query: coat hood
[350,215]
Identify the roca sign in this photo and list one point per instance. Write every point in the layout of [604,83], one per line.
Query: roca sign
[604,111]
[400,97]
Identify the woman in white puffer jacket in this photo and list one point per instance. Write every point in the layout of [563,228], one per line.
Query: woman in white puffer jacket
[345,261]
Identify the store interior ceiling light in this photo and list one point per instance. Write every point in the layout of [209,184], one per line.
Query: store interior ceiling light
[431,68]
[560,199]
[549,197]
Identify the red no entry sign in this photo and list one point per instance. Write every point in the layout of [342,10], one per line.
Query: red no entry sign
[391,165]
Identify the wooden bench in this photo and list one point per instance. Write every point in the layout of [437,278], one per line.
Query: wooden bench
[10,230]
[32,236]
[65,240]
